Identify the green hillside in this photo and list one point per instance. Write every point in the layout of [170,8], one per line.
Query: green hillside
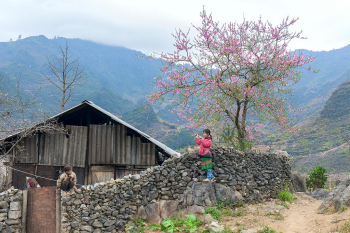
[321,141]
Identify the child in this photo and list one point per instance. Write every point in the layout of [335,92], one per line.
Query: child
[31,183]
[205,154]
[67,180]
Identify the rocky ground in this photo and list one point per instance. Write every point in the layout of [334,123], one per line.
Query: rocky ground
[301,217]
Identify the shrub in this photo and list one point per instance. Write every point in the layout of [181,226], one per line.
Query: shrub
[317,178]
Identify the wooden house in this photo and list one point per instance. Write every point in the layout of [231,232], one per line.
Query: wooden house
[99,146]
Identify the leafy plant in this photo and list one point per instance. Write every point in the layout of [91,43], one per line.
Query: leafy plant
[266,230]
[317,178]
[138,225]
[174,224]
[192,222]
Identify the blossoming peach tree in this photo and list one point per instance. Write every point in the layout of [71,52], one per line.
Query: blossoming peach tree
[232,77]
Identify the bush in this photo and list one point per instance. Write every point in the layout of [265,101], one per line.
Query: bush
[317,178]
[266,230]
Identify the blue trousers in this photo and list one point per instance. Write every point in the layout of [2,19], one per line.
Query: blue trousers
[210,174]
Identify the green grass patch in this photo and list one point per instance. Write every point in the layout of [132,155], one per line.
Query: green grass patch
[266,230]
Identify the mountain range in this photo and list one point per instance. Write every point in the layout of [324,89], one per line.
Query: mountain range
[118,80]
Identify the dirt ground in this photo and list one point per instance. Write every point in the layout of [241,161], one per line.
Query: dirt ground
[301,217]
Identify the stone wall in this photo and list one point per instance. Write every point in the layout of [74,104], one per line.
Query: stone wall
[11,211]
[162,190]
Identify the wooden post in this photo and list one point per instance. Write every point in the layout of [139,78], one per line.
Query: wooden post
[58,211]
[24,211]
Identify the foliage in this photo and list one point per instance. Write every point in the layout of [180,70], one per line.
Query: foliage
[138,225]
[343,208]
[223,210]
[317,178]
[282,203]
[285,195]
[266,230]
[192,222]
[174,224]
[214,212]
[230,71]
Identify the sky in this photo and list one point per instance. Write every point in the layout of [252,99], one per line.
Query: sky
[147,25]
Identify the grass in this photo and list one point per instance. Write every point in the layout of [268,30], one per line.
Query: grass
[284,195]
[278,215]
[266,230]
[282,203]
[343,208]
[218,213]
[342,229]
[214,212]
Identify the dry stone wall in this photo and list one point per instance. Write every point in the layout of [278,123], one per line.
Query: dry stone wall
[11,211]
[161,191]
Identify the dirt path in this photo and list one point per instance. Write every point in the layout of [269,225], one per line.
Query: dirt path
[301,217]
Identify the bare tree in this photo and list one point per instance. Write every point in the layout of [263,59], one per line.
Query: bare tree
[19,118]
[66,76]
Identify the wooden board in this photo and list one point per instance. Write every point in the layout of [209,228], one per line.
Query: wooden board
[102,173]
[59,150]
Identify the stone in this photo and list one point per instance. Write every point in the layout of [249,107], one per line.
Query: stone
[299,182]
[13,222]
[108,223]
[215,227]
[168,209]
[153,213]
[15,205]
[249,231]
[86,228]
[319,194]
[14,214]
[338,197]
[207,219]
[4,205]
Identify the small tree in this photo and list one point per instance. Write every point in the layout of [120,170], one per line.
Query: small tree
[66,76]
[228,72]
[317,178]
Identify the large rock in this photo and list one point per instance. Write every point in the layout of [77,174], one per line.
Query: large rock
[338,197]
[299,182]
[319,194]
[209,194]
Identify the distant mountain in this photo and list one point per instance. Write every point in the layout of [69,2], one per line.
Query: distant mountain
[322,141]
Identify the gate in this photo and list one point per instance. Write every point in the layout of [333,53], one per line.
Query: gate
[43,211]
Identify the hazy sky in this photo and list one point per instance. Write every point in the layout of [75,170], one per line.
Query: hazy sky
[147,25]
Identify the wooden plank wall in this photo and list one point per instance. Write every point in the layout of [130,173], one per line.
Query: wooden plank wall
[109,144]
[27,150]
[58,150]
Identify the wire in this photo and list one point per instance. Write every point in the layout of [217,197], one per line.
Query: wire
[33,174]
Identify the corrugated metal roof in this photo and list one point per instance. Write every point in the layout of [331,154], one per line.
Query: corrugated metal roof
[115,118]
